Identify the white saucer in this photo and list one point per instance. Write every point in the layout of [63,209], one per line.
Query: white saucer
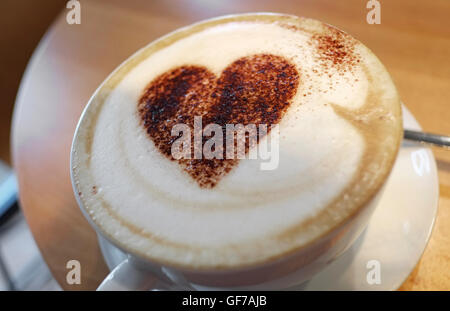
[395,238]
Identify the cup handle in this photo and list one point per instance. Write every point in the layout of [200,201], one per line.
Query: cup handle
[129,276]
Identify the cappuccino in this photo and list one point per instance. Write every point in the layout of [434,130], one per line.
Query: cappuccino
[335,107]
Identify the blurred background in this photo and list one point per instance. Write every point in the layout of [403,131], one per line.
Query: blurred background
[413,41]
[22,25]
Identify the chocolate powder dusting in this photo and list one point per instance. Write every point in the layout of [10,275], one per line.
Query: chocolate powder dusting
[252,90]
[335,49]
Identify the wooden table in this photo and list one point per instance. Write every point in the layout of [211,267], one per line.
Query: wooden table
[413,41]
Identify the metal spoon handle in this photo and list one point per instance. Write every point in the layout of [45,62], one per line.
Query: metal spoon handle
[428,138]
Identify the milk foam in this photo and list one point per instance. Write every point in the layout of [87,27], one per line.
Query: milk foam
[153,208]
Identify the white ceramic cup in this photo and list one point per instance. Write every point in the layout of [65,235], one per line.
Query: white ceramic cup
[137,273]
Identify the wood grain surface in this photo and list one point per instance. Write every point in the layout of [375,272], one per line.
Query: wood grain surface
[413,41]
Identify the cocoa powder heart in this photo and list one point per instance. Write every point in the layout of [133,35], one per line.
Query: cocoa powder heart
[252,90]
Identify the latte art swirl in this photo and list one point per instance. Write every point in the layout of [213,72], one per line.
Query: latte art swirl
[339,120]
